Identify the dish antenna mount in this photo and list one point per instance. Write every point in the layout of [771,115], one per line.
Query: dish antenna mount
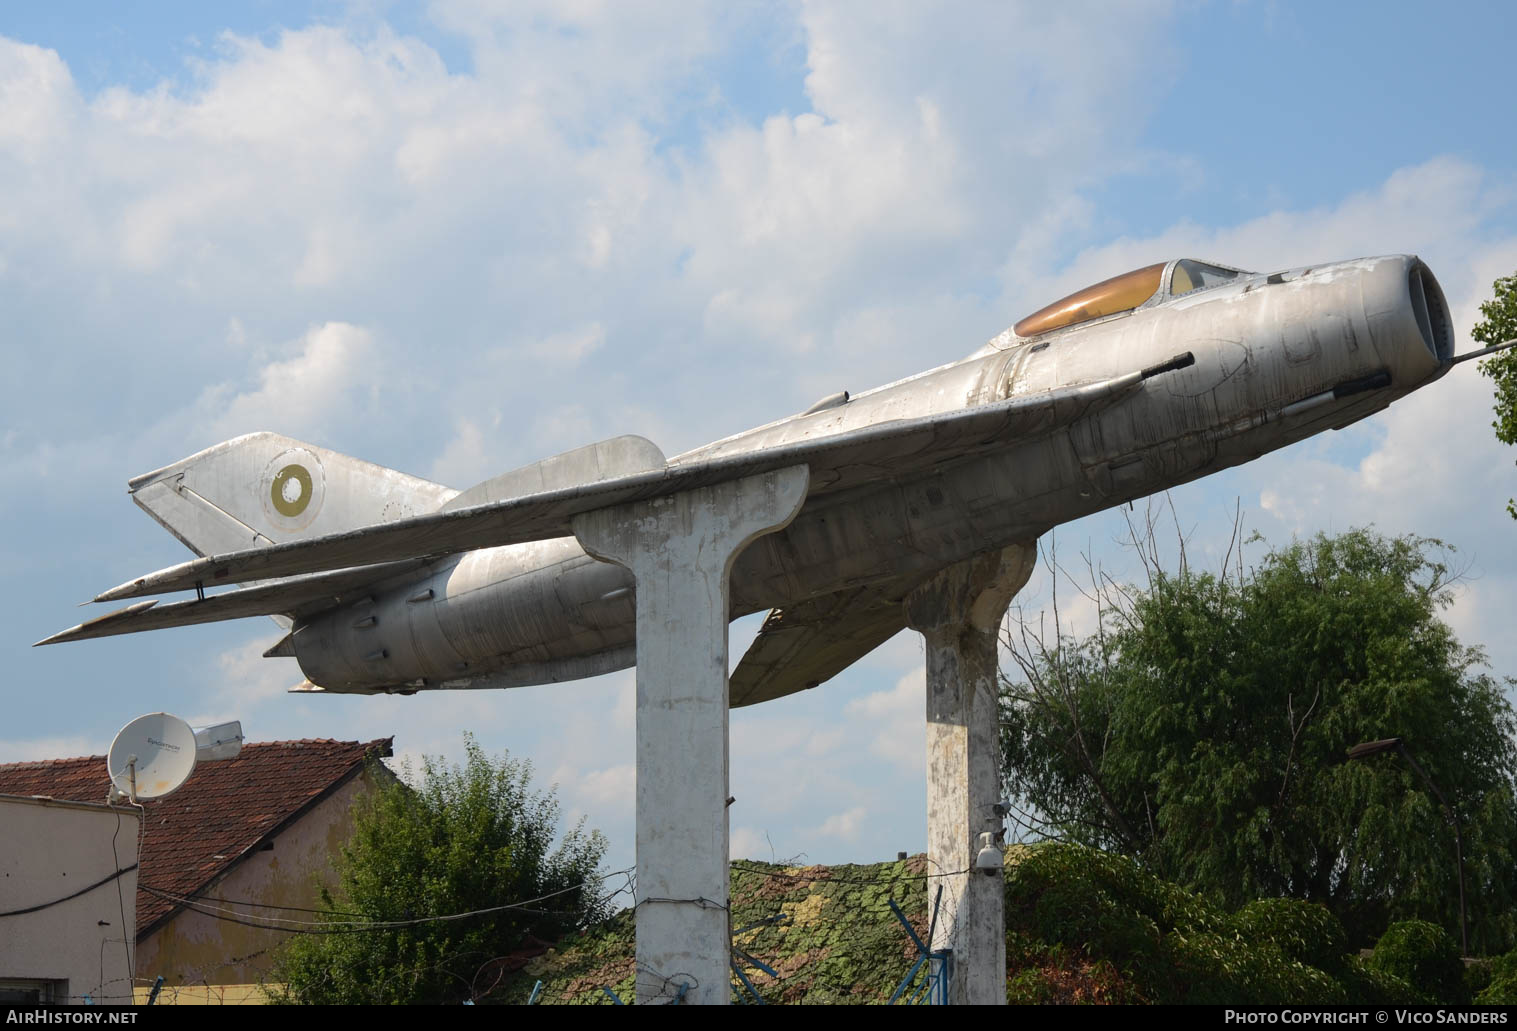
[154,754]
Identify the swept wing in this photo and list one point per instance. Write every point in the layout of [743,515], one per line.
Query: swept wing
[888,450]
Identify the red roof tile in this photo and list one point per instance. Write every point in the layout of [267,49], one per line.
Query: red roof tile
[224,810]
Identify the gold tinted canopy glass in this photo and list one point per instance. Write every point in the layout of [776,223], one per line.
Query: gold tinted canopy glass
[1120,293]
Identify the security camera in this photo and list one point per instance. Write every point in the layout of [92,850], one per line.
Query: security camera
[989,861]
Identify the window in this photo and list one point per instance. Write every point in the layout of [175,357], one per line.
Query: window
[22,991]
[1118,294]
[1195,275]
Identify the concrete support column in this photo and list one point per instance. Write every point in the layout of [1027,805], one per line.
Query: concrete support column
[959,613]
[680,550]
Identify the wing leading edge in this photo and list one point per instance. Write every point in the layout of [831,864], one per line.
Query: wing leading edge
[838,462]
[298,596]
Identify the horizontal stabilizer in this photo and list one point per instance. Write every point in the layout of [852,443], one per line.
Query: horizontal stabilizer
[294,597]
[837,462]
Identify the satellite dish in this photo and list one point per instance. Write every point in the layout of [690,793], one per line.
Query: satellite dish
[152,756]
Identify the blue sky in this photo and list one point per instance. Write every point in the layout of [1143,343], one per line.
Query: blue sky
[456,237]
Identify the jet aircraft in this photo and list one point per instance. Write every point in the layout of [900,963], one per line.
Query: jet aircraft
[390,583]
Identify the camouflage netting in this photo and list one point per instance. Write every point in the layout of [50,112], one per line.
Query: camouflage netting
[1082,927]
[836,940]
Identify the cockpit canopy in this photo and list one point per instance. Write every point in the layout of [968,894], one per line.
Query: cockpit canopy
[1124,293]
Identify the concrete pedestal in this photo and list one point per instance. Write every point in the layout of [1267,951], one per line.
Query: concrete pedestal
[959,613]
[680,549]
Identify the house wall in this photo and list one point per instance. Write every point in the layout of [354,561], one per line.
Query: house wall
[194,948]
[50,849]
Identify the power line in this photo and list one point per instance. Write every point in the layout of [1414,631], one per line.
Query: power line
[44,905]
[293,925]
[198,897]
[828,877]
[194,898]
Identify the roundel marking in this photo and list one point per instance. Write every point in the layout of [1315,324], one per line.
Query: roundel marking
[291,490]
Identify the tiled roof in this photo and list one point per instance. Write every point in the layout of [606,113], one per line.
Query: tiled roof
[224,810]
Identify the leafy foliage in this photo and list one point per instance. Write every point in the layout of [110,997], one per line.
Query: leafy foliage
[1203,729]
[1167,945]
[1082,926]
[1494,982]
[1304,931]
[1498,324]
[468,838]
[1423,955]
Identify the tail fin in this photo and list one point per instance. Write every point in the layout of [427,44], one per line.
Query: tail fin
[265,489]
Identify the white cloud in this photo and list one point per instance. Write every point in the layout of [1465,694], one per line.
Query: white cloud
[466,460]
[572,346]
[614,787]
[37,101]
[627,57]
[750,843]
[896,720]
[330,380]
[246,682]
[845,825]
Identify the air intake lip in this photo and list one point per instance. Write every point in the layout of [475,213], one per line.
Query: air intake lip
[1432,312]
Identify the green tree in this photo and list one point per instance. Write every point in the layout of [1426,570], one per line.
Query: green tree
[1203,729]
[466,839]
[1498,324]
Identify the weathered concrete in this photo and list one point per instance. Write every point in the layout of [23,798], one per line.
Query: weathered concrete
[680,550]
[959,613]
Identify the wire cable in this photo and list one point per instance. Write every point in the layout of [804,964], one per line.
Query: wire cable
[126,935]
[355,926]
[198,897]
[44,905]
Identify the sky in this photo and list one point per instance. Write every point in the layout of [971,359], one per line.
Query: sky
[454,238]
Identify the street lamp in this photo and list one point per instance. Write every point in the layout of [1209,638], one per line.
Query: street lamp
[1394,744]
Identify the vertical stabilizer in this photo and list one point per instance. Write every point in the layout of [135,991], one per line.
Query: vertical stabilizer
[265,489]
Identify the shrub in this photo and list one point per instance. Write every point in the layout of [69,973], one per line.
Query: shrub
[1500,992]
[1425,956]
[1366,985]
[1304,931]
[1168,945]
[469,838]
[1494,981]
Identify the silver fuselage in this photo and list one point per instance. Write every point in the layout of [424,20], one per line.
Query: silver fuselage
[1269,350]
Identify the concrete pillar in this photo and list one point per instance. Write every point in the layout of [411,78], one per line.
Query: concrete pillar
[959,613]
[680,550]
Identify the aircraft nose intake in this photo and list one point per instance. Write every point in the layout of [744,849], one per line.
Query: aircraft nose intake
[1431,311]
[1409,319]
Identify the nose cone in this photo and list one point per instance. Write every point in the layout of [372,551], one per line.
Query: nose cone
[1409,319]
